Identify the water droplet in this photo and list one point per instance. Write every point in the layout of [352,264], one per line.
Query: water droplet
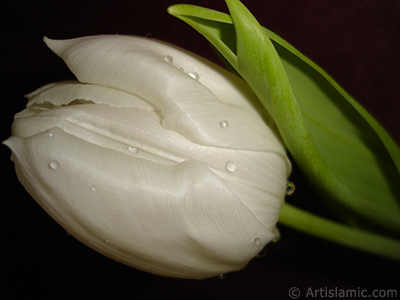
[224,124]
[256,241]
[290,188]
[231,166]
[221,276]
[168,58]
[107,240]
[51,135]
[194,75]
[276,238]
[133,149]
[262,253]
[93,188]
[53,165]
[182,69]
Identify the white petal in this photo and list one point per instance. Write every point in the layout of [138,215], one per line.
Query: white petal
[188,106]
[179,221]
[258,178]
[63,93]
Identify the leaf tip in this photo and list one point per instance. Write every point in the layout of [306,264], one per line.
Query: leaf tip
[172,10]
[179,9]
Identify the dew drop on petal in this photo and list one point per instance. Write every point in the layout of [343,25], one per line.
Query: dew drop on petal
[93,188]
[168,58]
[107,240]
[221,276]
[194,75]
[277,234]
[53,165]
[276,238]
[256,241]
[51,135]
[231,166]
[224,124]
[133,149]
[262,253]
[290,188]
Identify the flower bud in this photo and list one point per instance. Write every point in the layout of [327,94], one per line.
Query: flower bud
[155,157]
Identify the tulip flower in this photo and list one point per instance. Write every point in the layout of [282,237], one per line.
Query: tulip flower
[154,157]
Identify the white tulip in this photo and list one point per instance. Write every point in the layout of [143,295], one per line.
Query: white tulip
[155,158]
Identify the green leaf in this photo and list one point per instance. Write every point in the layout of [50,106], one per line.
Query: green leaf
[346,155]
[215,26]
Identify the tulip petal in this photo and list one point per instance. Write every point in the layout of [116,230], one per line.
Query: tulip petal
[193,227]
[258,178]
[63,93]
[196,108]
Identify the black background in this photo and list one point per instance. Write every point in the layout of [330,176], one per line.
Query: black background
[356,41]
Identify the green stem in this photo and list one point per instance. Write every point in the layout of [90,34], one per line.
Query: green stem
[309,223]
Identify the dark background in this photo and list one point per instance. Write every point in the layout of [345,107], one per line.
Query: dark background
[356,41]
